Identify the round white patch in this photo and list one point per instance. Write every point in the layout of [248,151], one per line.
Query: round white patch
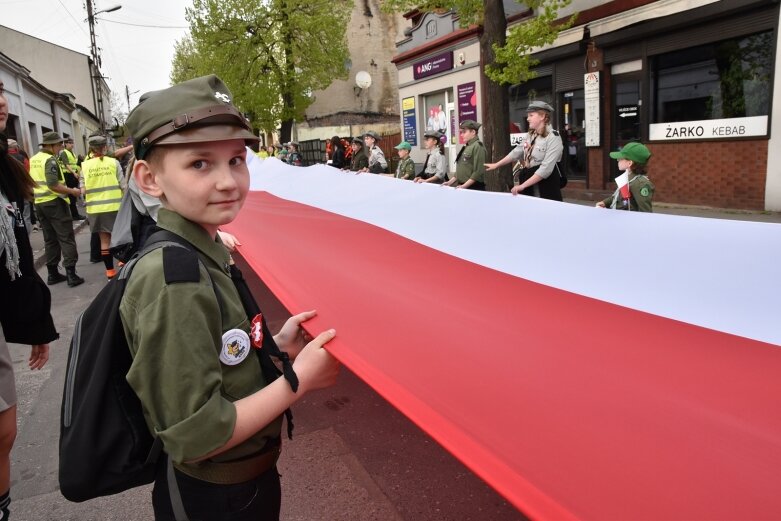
[235,347]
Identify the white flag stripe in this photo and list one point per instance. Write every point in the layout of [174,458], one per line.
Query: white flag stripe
[718,274]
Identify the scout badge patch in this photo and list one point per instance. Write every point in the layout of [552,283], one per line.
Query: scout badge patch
[235,347]
[256,331]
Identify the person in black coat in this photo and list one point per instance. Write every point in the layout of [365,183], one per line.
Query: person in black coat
[337,153]
[25,301]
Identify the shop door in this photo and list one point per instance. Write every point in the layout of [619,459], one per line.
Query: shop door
[626,113]
[571,126]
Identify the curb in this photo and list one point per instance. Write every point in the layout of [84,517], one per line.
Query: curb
[40,259]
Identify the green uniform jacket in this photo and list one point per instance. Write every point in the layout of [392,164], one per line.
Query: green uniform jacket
[470,163]
[406,169]
[359,160]
[175,336]
[641,191]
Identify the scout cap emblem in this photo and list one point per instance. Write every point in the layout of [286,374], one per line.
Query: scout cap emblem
[222,97]
[256,331]
[235,347]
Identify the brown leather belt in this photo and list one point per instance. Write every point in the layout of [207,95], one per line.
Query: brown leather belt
[230,473]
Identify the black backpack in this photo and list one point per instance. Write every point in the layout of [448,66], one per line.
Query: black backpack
[105,445]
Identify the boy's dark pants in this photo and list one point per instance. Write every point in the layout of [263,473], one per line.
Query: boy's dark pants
[255,500]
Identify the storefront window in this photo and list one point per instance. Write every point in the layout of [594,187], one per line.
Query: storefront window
[521,95]
[727,79]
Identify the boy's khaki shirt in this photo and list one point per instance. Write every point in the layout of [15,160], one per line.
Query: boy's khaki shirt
[175,336]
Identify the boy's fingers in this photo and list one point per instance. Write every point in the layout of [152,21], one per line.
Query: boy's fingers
[324,337]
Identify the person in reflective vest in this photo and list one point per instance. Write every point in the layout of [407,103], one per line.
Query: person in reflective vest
[51,207]
[100,177]
[70,169]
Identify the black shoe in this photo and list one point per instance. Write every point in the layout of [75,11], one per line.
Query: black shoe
[73,279]
[55,276]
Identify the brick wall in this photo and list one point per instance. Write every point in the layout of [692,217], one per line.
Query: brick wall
[718,174]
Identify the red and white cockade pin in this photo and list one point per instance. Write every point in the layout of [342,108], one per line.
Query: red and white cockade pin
[256,331]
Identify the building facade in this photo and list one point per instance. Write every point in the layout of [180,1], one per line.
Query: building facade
[368,99]
[34,109]
[691,78]
[64,71]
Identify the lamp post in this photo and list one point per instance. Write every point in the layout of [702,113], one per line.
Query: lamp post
[96,75]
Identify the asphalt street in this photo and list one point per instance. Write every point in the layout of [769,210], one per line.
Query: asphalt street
[353,457]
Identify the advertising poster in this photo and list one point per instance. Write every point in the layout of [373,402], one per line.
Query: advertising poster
[467,103]
[410,124]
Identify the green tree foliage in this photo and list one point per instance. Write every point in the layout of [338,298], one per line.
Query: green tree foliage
[272,54]
[513,62]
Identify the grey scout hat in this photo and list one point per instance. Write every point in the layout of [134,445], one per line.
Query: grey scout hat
[96,141]
[193,111]
[539,105]
[372,134]
[470,124]
[51,138]
[432,134]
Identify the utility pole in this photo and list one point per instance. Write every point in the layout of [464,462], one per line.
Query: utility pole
[96,74]
[127,95]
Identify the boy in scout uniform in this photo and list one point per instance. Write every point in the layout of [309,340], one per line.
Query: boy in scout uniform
[377,162]
[470,161]
[632,159]
[359,161]
[406,167]
[203,391]
[52,210]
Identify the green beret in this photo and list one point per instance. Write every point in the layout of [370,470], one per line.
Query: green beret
[471,124]
[51,138]
[634,151]
[403,146]
[193,111]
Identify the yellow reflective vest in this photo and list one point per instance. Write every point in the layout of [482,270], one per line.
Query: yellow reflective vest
[73,162]
[102,192]
[38,173]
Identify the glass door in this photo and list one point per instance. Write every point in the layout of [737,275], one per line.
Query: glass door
[626,113]
[571,125]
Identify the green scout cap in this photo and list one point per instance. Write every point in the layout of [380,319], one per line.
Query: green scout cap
[283,152]
[634,151]
[193,111]
[539,105]
[372,134]
[51,138]
[471,124]
[403,146]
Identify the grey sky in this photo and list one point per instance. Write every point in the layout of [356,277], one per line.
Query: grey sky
[139,57]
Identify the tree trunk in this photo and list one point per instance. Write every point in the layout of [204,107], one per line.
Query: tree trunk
[285,131]
[495,99]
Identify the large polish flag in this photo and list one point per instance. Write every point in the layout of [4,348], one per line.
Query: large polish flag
[586,363]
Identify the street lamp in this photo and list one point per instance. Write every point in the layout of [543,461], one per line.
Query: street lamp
[96,75]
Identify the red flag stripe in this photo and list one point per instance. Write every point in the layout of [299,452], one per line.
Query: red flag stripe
[567,405]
